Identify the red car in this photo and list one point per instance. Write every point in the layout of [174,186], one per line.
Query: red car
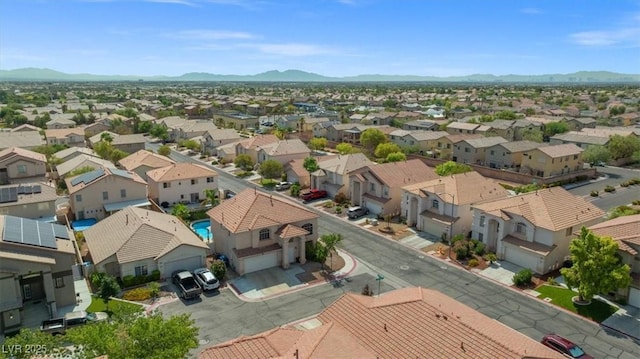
[564,346]
[313,194]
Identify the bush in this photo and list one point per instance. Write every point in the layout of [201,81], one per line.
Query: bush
[636,202]
[244,174]
[128,281]
[341,198]
[214,162]
[310,251]
[609,188]
[473,262]
[522,278]
[219,269]
[329,204]
[595,193]
[625,184]
[338,210]
[479,248]
[462,250]
[635,181]
[137,294]
[96,279]
[155,275]
[295,189]
[491,257]
[154,289]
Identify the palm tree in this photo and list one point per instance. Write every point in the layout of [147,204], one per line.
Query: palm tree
[211,198]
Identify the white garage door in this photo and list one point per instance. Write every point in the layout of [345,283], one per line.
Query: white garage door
[433,227]
[264,261]
[189,264]
[521,258]
[634,297]
[374,208]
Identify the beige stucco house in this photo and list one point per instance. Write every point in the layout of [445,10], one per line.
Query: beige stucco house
[251,146]
[28,200]
[533,230]
[36,260]
[129,143]
[72,137]
[137,241]
[144,161]
[283,151]
[17,164]
[23,139]
[333,175]
[181,183]
[258,231]
[80,162]
[553,160]
[424,141]
[212,139]
[474,150]
[102,192]
[508,155]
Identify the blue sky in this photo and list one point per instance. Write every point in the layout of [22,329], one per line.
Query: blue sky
[329,37]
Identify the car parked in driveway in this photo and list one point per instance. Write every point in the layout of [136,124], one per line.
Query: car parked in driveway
[188,288]
[283,185]
[313,194]
[357,212]
[206,279]
[564,346]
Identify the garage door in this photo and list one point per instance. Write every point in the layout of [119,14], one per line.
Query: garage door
[264,261]
[189,264]
[434,227]
[634,297]
[521,258]
[374,208]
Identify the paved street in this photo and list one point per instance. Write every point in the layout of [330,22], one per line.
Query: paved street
[615,176]
[226,318]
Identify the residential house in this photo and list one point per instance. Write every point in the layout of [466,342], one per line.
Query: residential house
[359,326]
[251,146]
[503,128]
[442,206]
[238,121]
[144,161]
[533,230]
[72,137]
[521,127]
[625,119]
[611,131]
[625,231]
[422,141]
[579,139]
[60,123]
[72,152]
[420,125]
[320,129]
[578,123]
[553,160]
[18,164]
[212,139]
[26,128]
[456,128]
[191,129]
[256,231]
[23,139]
[104,191]
[28,200]
[296,173]
[181,183]
[99,136]
[96,127]
[379,187]
[308,124]
[37,260]
[508,155]
[445,145]
[473,150]
[129,143]
[333,175]
[79,163]
[284,151]
[172,124]
[137,241]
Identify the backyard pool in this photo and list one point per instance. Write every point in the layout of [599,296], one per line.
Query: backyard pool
[203,228]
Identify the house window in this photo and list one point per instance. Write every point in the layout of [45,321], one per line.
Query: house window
[194,181]
[22,169]
[209,179]
[435,204]
[123,193]
[521,228]
[78,198]
[385,192]
[575,157]
[494,152]
[448,145]
[105,196]
[265,234]
[480,236]
[569,231]
[308,227]
[166,185]
[141,270]
[372,187]
[466,149]
[482,220]
[59,282]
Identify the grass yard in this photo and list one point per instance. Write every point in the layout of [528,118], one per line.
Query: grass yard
[115,306]
[560,296]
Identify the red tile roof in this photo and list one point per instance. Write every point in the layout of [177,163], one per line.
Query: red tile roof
[625,230]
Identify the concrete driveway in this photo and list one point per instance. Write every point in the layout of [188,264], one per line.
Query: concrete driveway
[501,272]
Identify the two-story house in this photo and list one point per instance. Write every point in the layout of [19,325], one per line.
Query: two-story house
[379,187]
[333,175]
[28,200]
[284,151]
[508,154]
[423,141]
[81,162]
[533,230]
[72,137]
[252,145]
[181,183]
[60,122]
[212,139]
[103,191]
[18,164]
[144,161]
[442,206]
[445,145]
[579,139]
[23,139]
[257,231]
[473,150]
[553,160]
[129,143]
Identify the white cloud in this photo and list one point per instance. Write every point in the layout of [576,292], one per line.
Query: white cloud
[598,38]
[293,49]
[531,11]
[211,35]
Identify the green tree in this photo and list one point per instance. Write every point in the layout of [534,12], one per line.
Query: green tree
[193,145]
[271,169]
[116,155]
[106,136]
[533,134]
[103,149]
[452,168]
[371,138]
[623,146]
[318,143]
[596,153]
[109,287]
[622,211]
[554,128]
[219,269]
[311,165]
[181,211]
[396,157]
[143,127]
[505,115]
[244,161]
[329,242]
[596,266]
[344,148]
[386,148]
[159,131]
[164,150]
[81,170]
[211,197]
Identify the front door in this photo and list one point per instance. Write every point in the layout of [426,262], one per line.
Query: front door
[26,292]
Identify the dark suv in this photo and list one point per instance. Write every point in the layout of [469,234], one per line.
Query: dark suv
[357,212]
[564,346]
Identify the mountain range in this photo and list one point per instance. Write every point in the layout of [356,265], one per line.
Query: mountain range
[37,74]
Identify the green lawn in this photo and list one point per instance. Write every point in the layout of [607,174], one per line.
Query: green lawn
[115,306]
[560,296]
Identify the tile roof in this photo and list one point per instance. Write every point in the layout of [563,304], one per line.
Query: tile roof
[128,139]
[579,137]
[64,132]
[47,194]
[520,146]
[145,158]
[552,208]
[179,171]
[463,125]
[342,164]
[258,141]
[251,209]
[20,139]
[427,135]
[462,136]
[466,188]
[21,152]
[286,147]
[398,174]
[80,161]
[135,233]
[73,150]
[625,230]
[484,142]
[107,171]
[567,149]
[223,134]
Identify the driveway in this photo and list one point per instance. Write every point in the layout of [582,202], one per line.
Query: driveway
[501,272]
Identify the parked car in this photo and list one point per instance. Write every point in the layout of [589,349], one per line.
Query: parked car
[206,279]
[564,346]
[97,317]
[188,288]
[283,185]
[76,318]
[313,194]
[55,326]
[229,194]
[357,212]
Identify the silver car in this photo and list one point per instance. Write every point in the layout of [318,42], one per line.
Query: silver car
[357,212]
[206,279]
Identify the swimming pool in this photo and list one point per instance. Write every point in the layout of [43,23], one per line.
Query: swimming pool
[203,228]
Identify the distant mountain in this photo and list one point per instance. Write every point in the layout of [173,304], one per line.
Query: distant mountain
[35,74]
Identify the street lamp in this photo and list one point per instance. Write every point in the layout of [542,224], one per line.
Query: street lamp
[453,199]
[379,279]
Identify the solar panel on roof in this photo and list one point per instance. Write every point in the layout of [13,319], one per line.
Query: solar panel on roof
[6,195]
[60,231]
[37,189]
[88,177]
[122,173]
[29,232]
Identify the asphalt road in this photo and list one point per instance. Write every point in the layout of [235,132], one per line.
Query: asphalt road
[520,312]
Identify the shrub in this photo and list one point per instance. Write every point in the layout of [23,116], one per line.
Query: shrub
[635,181]
[338,210]
[310,251]
[462,251]
[155,275]
[625,184]
[552,281]
[295,189]
[595,193]
[219,269]
[214,162]
[479,248]
[609,188]
[96,279]
[522,278]
[473,262]
[128,281]
[491,257]
[456,238]
[154,289]
[341,198]
[636,202]
[137,294]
